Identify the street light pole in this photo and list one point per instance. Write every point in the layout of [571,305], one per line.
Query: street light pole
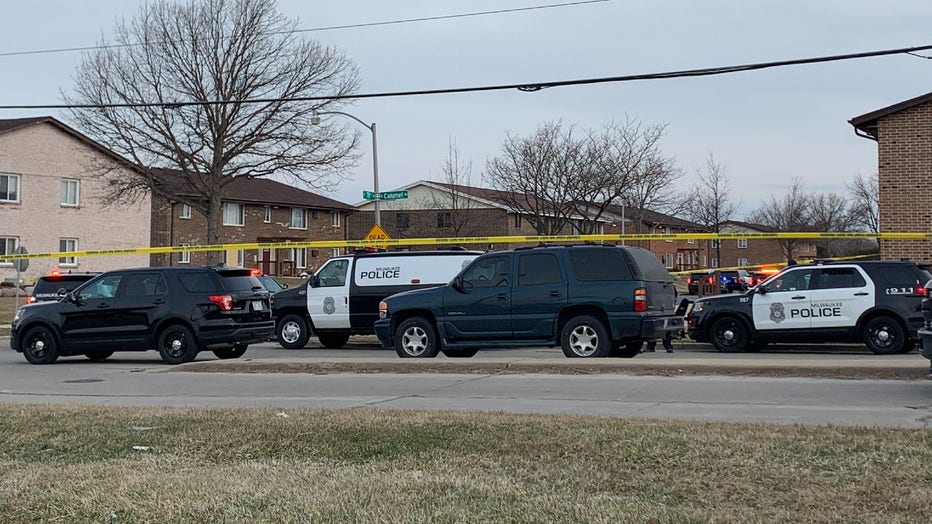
[315,120]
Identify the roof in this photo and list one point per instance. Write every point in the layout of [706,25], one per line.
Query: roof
[867,123]
[256,191]
[13,124]
[751,225]
[653,217]
[16,123]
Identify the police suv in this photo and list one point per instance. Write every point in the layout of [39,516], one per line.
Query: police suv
[874,302]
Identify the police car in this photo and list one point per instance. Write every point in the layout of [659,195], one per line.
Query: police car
[874,302]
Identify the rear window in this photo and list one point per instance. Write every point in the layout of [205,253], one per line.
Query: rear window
[239,280]
[649,265]
[899,275]
[198,282]
[53,284]
[599,264]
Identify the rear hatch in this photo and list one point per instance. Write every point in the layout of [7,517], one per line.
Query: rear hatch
[661,294]
[250,301]
[49,287]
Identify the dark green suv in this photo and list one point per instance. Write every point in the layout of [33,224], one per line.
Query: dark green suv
[593,300]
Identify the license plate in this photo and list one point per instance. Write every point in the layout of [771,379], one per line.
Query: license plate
[257,305]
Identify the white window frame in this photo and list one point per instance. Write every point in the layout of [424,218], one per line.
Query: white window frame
[63,245]
[714,262]
[184,257]
[267,216]
[517,220]
[668,260]
[690,240]
[185,211]
[241,257]
[680,258]
[18,195]
[742,262]
[299,255]
[335,219]
[302,213]
[742,243]
[335,252]
[64,187]
[241,213]
[7,250]
[667,230]
[714,244]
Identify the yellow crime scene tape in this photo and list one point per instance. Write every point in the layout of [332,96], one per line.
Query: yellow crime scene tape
[386,242]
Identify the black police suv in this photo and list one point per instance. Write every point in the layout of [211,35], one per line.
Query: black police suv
[56,284]
[594,301]
[178,311]
[875,302]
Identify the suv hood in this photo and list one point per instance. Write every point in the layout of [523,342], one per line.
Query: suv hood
[414,294]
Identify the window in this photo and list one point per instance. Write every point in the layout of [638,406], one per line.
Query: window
[299,255]
[714,262]
[241,257]
[333,274]
[198,281]
[599,265]
[517,220]
[335,219]
[184,257]
[667,231]
[68,244]
[490,271]
[791,281]
[742,261]
[690,240]
[143,285]
[185,211]
[668,260]
[70,192]
[314,214]
[298,218]
[232,214]
[834,278]
[538,268]
[9,188]
[335,252]
[742,243]
[714,244]
[267,215]
[104,287]
[7,246]
[444,220]
[315,253]
[402,220]
[679,258]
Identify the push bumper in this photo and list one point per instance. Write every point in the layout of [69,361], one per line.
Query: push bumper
[383,330]
[229,333]
[652,328]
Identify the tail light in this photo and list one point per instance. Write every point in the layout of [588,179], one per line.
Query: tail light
[922,291]
[689,280]
[640,299]
[30,299]
[224,301]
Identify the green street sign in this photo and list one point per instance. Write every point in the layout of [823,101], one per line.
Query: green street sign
[385,195]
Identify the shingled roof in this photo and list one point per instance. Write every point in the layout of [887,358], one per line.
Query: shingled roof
[867,123]
[15,123]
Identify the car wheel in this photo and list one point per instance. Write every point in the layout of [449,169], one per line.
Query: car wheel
[293,332]
[730,335]
[460,353]
[884,336]
[333,340]
[177,345]
[39,346]
[629,350]
[585,337]
[234,352]
[416,338]
[97,356]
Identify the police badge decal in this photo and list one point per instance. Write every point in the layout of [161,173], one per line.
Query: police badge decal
[776,312]
[330,307]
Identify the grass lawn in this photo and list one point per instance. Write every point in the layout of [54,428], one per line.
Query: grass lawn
[7,309]
[73,464]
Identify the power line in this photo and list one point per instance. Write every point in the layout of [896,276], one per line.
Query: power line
[527,87]
[325,28]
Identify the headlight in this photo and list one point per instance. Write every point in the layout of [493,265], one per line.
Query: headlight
[699,306]
[18,315]
[383,309]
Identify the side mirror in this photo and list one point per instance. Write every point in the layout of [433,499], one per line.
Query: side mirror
[71,297]
[760,290]
[459,285]
[313,281]
[284,285]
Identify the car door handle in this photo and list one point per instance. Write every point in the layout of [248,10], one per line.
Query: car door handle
[102,305]
[798,297]
[862,294]
[158,301]
[555,294]
[503,296]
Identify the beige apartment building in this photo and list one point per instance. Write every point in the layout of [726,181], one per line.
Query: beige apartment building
[51,200]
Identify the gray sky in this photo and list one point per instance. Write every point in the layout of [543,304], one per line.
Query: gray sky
[765,127]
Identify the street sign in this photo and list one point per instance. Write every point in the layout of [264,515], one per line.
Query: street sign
[20,264]
[375,234]
[385,195]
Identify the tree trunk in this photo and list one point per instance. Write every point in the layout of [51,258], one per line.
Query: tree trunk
[214,222]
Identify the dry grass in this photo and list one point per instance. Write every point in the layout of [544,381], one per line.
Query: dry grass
[7,309]
[69,464]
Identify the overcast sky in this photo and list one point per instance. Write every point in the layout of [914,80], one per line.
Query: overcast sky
[764,127]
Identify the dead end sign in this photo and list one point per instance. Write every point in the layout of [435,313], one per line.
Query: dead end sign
[376,234]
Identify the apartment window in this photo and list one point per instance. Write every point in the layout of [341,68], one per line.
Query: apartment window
[517,220]
[335,252]
[402,220]
[7,246]
[185,211]
[714,244]
[314,214]
[335,219]
[298,218]
[444,220]
[742,243]
[9,188]
[714,262]
[70,191]
[742,261]
[315,253]
[232,214]
[668,260]
[184,257]
[690,240]
[241,257]
[299,255]
[68,244]
[267,217]
[667,231]
[679,258]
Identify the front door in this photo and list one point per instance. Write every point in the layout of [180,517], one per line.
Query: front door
[88,321]
[538,296]
[328,300]
[141,300]
[481,308]
[784,304]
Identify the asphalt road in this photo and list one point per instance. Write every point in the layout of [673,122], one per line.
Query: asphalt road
[140,379]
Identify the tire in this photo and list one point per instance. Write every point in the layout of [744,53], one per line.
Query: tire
[97,356]
[883,335]
[585,337]
[333,340]
[234,352]
[416,338]
[40,346]
[292,332]
[730,335]
[909,346]
[629,350]
[460,353]
[177,345]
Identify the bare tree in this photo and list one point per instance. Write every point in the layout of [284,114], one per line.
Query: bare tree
[456,175]
[710,202]
[223,51]
[865,202]
[787,214]
[829,212]
[654,189]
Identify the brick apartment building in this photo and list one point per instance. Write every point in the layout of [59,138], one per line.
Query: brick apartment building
[255,210]
[904,160]
[755,251]
[676,255]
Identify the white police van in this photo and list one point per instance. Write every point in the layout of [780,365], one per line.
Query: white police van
[342,297]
